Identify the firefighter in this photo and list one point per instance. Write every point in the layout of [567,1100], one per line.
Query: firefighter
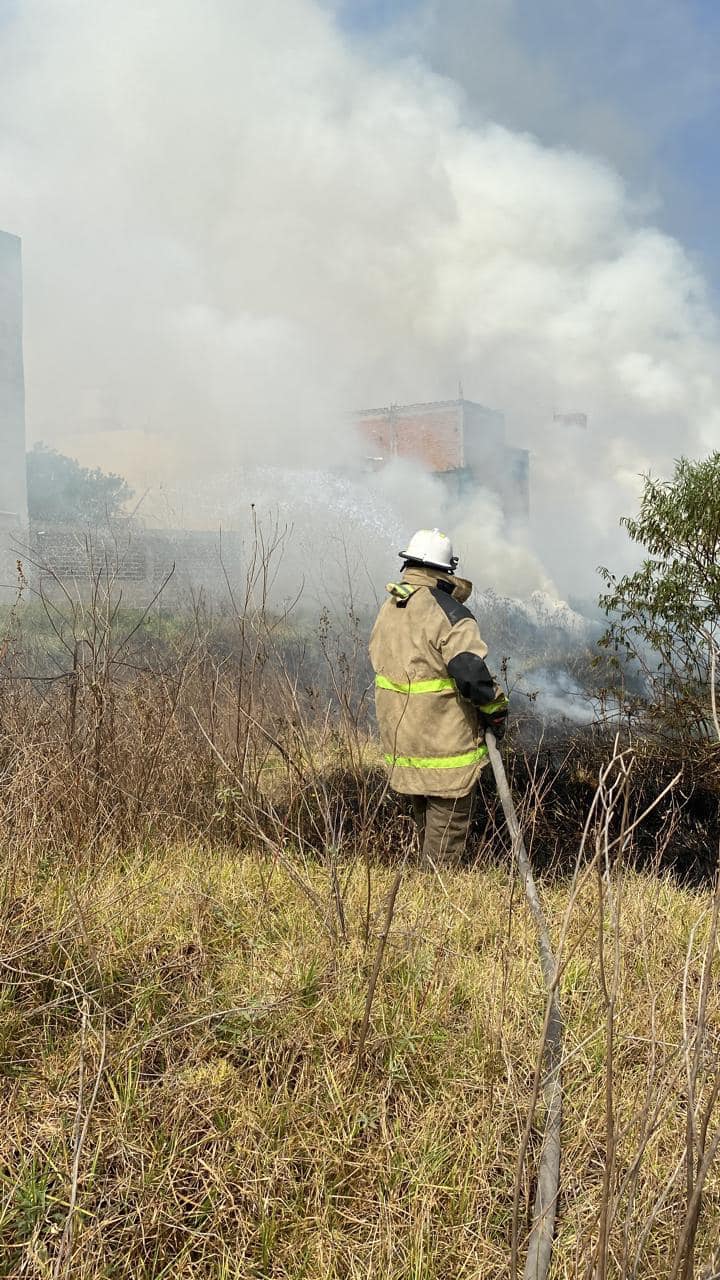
[434,695]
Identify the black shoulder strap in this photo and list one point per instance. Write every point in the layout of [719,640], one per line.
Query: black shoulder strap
[452,608]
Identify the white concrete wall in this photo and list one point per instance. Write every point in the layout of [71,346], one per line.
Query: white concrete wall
[13,482]
[13,476]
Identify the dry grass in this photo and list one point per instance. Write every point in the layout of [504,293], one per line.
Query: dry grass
[214,1027]
[197,851]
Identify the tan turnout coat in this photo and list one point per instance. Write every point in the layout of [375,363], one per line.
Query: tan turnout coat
[432,738]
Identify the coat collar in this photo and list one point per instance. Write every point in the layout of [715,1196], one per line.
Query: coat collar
[420,577]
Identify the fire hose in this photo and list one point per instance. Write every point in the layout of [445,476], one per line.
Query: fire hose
[542,1232]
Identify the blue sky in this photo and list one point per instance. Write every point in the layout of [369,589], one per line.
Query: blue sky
[369,15]
[8,8]
[636,84]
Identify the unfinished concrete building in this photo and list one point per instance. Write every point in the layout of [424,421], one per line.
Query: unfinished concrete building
[460,441]
[13,476]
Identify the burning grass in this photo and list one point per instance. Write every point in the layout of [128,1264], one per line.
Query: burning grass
[179,1062]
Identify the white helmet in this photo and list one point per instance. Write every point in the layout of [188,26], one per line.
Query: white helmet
[433,548]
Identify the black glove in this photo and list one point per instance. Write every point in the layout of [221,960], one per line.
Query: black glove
[497,723]
[494,716]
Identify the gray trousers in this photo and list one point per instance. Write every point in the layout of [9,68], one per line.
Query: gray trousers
[443,824]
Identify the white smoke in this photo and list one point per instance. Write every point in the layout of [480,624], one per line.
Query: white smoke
[237,226]
[553,696]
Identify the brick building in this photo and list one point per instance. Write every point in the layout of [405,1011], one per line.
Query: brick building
[458,440]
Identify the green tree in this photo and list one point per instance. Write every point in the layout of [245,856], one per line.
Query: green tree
[666,615]
[59,489]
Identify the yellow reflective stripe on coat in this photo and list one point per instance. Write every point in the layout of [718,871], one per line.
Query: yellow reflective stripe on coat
[489,708]
[415,686]
[438,762]
[403,590]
